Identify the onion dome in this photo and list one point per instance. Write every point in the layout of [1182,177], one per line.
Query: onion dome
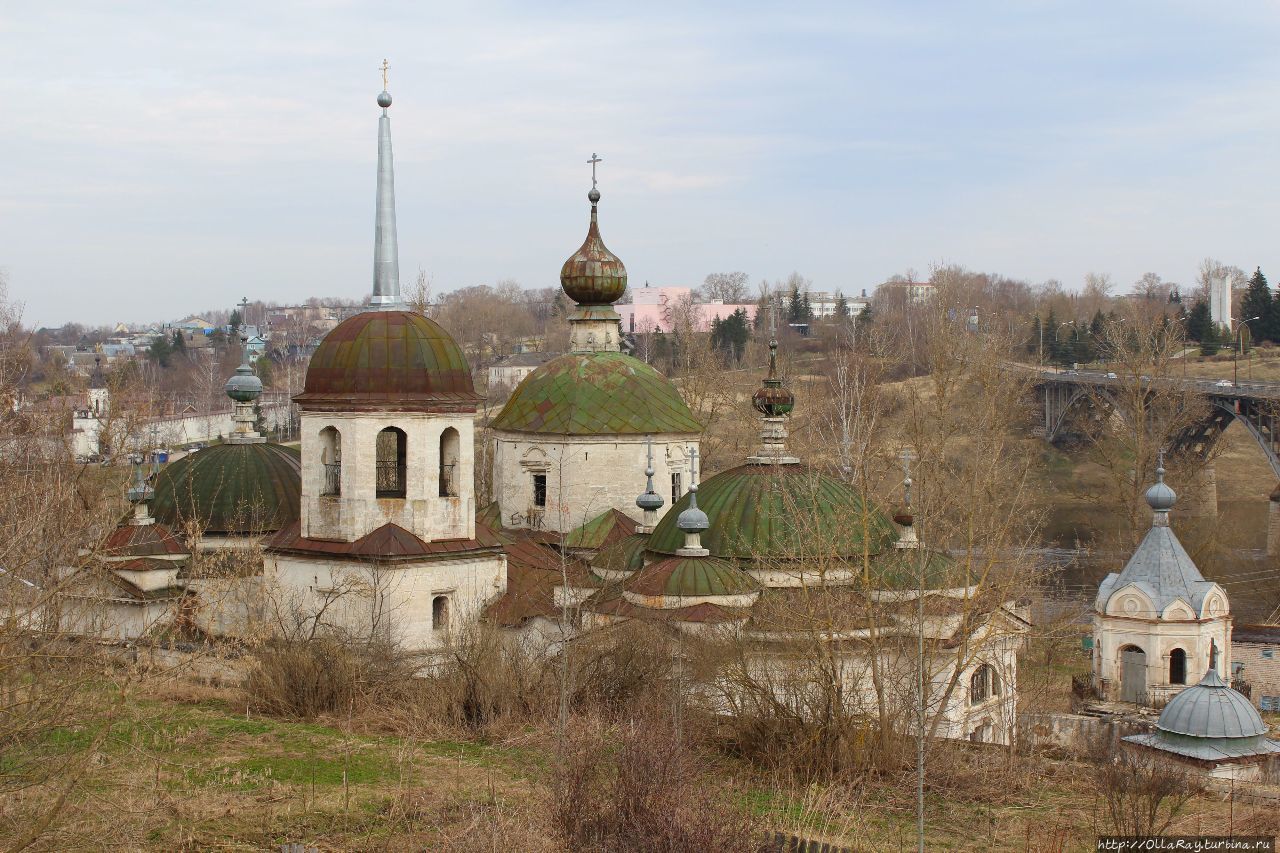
[1211,722]
[244,386]
[593,275]
[393,360]
[771,399]
[678,579]
[692,519]
[231,489]
[780,512]
[602,393]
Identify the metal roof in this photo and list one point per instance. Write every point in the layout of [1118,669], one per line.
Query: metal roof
[601,393]
[231,488]
[1163,570]
[395,360]
[1211,709]
[780,512]
[692,577]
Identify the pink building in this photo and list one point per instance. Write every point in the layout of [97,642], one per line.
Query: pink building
[650,310]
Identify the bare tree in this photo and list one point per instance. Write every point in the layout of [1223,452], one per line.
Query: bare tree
[727,287]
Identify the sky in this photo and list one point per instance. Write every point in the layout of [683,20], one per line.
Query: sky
[159,159]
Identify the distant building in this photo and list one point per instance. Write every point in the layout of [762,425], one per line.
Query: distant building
[1255,663]
[651,307]
[508,371]
[826,304]
[1220,301]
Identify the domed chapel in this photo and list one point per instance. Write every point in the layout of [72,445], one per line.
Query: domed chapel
[570,443]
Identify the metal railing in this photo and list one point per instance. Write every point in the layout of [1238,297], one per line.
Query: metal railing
[391,479]
[332,478]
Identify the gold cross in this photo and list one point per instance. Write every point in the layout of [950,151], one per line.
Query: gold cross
[384,74]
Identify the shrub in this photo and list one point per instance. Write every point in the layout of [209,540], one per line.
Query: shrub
[637,788]
[304,678]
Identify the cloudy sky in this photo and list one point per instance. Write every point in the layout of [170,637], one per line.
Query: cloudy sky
[163,158]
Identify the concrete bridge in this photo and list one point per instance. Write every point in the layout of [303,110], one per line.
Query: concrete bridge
[1064,394]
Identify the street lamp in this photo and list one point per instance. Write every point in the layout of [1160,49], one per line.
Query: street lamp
[1235,362]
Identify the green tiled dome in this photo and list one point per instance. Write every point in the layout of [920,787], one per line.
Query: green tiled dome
[599,393]
[388,359]
[781,512]
[901,568]
[691,577]
[231,488]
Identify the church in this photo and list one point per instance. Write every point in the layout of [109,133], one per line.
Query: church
[371,531]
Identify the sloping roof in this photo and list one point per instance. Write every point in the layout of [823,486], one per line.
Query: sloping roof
[490,515]
[601,393]
[1163,570]
[1268,635]
[231,488]
[388,360]
[389,542]
[525,359]
[624,555]
[141,540]
[781,512]
[606,528]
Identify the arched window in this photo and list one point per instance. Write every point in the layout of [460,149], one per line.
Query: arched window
[984,684]
[392,449]
[439,612]
[330,461]
[449,454]
[1178,666]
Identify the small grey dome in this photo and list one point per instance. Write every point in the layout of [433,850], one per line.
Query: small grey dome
[693,520]
[244,387]
[384,99]
[1160,497]
[594,195]
[650,501]
[1211,709]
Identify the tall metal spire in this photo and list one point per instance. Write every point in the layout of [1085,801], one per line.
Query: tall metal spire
[386,252]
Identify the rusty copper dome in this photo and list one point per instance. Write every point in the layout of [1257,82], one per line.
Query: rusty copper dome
[593,275]
[391,360]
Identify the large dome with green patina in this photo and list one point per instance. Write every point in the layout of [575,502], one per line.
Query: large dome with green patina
[599,393]
[231,489]
[396,360]
[779,512]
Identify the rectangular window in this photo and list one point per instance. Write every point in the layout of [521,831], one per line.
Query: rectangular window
[1268,654]
[539,490]
[675,489]
[1269,703]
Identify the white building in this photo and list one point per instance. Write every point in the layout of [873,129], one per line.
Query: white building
[1220,302]
[1156,620]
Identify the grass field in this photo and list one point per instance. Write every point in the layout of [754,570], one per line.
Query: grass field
[186,769]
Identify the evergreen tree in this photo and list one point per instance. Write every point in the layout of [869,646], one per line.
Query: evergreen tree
[234,321]
[178,345]
[1258,302]
[842,307]
[806,310]
[263,368]
[160,350]
[1033,343]
[729,335]
[1211,341]
[1199,321]
[1052,351]
[795,308]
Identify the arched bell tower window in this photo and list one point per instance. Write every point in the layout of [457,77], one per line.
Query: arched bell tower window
[449,454]
[984,684]
[330,461]
[1178,666]
[392,452]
